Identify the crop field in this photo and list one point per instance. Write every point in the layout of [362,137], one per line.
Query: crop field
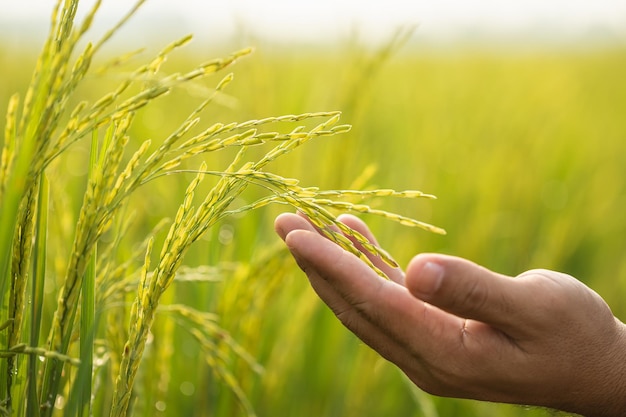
[524,151]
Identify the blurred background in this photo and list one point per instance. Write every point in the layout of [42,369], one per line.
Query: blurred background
[326,21]
[511,113]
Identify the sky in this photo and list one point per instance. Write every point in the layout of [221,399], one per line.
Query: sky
[319,21]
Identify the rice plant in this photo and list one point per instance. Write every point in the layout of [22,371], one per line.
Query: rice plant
[70,371]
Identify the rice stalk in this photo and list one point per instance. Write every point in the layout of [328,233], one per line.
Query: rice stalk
[116,277]
[149,292]
[13,185]
[7,156]
[207,323]
[94,219]
[23,245]
[207,274]
[203,327]
[105,193]
[52,83]
[308,201]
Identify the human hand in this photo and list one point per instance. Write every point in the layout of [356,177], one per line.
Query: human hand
[459,330]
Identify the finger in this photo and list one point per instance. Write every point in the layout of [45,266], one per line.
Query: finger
[371,334]
[395,274]
[357,295]
[286,222]
[468,290]
[358,225]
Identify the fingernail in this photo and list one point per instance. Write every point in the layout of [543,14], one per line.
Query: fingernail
[430,278]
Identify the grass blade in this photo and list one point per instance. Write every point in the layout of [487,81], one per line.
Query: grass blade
[80,400]
[37,292]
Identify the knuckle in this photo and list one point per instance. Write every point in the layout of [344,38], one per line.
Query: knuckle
[539,274]
[475,296]
[346,317]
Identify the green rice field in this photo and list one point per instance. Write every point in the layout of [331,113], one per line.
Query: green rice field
[524,150]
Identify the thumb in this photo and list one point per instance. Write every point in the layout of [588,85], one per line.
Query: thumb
[468,290]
